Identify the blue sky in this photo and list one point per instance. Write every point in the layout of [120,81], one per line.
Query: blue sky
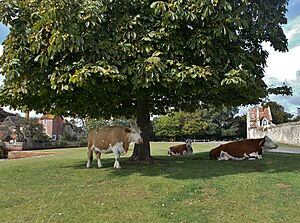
[293,9]
[281,67]
[3,32]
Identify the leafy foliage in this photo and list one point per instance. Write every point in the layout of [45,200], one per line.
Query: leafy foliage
[28,130]
[278,114]
[98,123]
[93,58]
[204,124]
[33,131]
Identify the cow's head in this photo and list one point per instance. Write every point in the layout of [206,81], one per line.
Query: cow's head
[188,142]
[134,135]
[268,144]
[189,146]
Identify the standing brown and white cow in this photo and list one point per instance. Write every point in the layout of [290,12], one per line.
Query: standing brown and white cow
[112,139]
[243,149]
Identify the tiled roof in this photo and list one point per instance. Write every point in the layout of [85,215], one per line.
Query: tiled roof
[262,113]
[259,113]
[4,114]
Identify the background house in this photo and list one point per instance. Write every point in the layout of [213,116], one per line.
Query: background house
[259,117]
[4,114]
[52,125]
[7,120]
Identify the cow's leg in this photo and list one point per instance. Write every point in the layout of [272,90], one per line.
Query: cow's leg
[116,151]
[117,163]
[98,155]
[254,156]
[89,157]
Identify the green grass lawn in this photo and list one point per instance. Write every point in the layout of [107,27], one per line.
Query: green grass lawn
[288,146]
[59,188]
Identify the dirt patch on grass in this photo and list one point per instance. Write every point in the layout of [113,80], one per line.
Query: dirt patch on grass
[26,154]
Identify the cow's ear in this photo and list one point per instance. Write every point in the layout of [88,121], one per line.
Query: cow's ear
[127,130]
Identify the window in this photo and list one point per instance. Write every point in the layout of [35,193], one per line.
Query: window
[264,122]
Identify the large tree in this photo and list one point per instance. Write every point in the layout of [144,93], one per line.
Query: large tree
[102,58]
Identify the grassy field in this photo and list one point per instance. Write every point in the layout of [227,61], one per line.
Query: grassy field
[58,188]
[288,146]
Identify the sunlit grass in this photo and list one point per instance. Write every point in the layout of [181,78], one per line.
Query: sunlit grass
[173,189]
[289,146]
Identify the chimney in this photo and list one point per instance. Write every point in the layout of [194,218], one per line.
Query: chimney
[26,115]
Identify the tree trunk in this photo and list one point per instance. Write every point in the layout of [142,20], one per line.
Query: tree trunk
[141,152]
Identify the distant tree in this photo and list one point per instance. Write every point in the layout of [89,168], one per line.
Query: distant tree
[225,123]
[205,123]
[169,125]
[296,119]
[195,125]
[30,131]
[278,114]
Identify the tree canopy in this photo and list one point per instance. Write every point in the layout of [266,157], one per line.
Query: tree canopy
[95,57]
[102,58]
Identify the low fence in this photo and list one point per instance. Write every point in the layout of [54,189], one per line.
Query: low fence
[19,146]
[287,133]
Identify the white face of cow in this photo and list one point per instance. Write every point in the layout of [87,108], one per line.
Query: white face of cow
[269,144]
[188,142]
[134,135]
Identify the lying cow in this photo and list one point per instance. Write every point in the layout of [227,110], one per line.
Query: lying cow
[182,149]
[244,149]
[112,139]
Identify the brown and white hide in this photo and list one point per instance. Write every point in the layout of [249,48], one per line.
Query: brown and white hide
[182,149]
[243,149]
[112,139]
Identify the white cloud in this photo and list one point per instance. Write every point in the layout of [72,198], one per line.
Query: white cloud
[292,29]
[282,66]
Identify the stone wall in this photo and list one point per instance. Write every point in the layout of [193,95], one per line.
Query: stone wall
[288,133]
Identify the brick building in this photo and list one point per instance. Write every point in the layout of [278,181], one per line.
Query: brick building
[53,125]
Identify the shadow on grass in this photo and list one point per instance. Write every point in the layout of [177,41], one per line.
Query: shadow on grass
[197,166]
